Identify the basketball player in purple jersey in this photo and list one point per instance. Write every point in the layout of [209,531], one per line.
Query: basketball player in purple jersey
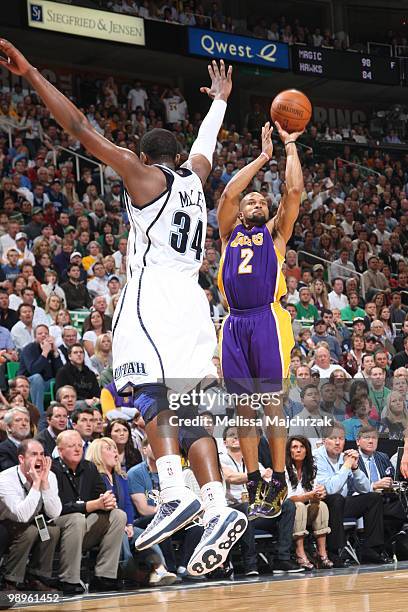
[257,336]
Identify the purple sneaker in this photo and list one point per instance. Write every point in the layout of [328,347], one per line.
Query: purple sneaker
[274,496]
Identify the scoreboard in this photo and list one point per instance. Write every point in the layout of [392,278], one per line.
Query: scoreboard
[345,65]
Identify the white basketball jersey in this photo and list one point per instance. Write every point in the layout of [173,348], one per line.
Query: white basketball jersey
[169,231]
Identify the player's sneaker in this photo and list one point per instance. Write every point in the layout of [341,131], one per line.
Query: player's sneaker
[171,515]
[220,535]
[256,492]
[274,496]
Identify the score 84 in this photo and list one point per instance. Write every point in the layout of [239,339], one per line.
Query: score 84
[366,69]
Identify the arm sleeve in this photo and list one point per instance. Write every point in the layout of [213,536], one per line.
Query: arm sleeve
[12,497]
[208,132]
[52,502]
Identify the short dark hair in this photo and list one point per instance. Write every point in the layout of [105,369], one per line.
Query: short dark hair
[25,306]
[328,431]
[76,345]
[23,446]
[50,410]
[159,145]
[77,413]
[306,388]
[73,265]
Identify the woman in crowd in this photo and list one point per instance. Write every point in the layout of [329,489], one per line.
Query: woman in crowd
[102,358]
[50,286]
[53,306]
[104,454]
[384,316]
[319,294]
[360,388]
[359,261]
[380,301]
[62,319]
[119,431]
[43,263]
[360,408]
[395,417]
[94,327]
[357,351]
[19,283]
[341,383]
[311,511]
[16,400]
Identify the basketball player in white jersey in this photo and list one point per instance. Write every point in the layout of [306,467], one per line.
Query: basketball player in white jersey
[163,335]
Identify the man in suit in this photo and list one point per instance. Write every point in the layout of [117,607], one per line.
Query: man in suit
[339,472]
[380,472]
[57,419]
[17,421]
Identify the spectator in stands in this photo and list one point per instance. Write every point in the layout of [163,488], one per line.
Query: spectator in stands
[102,357]
[322,363]
[24,493]
[360,409]
[94,327]
[120,432]
[57,419]
[321,335]
[352,311]
[397,311]
[394,417]
[67,396]
[89,517]
[69,338]
[8,317]
[83,422]
[17,422]
[342,268]
[77,375]
[306,311]
[400,360]
[311,511]
[373,280]
[311,420]
[40,361]
[99,304]
[11,268]
[98,285]
[337,299]
[378,392]
[380,472]
[75,291]
[339,472]
[22,332]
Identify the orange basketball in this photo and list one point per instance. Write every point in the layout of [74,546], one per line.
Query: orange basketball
[292,109]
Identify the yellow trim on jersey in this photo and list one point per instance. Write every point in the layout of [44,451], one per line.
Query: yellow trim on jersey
[220,337]
[219,277]
[285,335]
[281,288]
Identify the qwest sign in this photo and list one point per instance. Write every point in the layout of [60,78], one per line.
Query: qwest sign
[238,48]
[80,21]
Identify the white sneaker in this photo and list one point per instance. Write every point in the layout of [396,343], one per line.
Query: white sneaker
[162,579]
[171,515]
[220,535]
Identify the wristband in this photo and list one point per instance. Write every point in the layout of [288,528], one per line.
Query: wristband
[290,142]
[265,155]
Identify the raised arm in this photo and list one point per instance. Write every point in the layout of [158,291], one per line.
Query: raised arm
[201,155]
[282,224]
[122,160]
[228,207]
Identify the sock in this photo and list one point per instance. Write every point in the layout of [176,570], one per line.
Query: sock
[170,475]
[280,476]
[213,496]
[254,476]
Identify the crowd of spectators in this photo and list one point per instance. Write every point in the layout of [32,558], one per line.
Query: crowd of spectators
[63,262]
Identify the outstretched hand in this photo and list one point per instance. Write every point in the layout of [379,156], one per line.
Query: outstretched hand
[13,60]
[266,136]
[285,136]
[221,82]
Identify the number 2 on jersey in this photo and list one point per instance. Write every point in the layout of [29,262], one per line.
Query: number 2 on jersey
[179,238]
[245,267]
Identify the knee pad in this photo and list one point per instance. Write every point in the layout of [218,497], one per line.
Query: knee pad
[150,400]
[188,434]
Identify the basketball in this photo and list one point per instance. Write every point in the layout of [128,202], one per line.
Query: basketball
[292,109]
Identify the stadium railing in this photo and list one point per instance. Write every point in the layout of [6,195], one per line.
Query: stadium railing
[78,156]
[329,264]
